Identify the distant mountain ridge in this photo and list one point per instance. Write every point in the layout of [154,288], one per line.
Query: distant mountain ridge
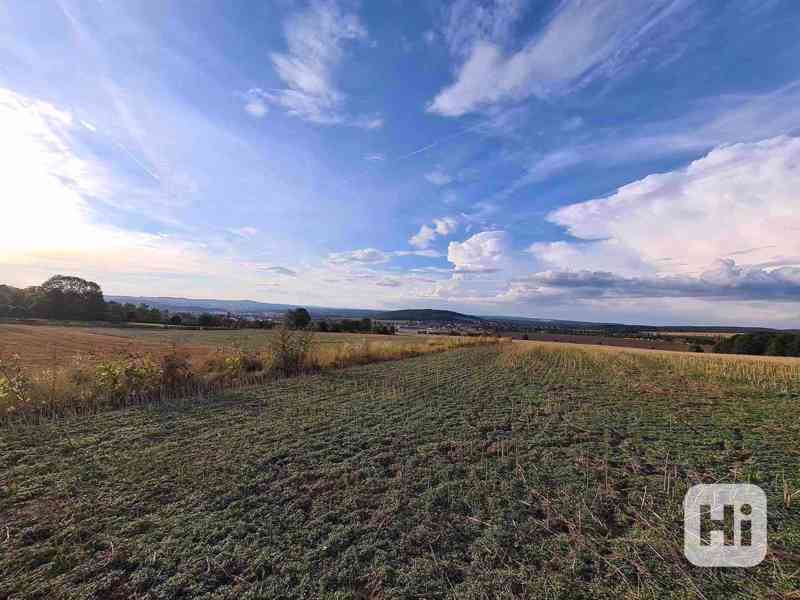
[200,305]
[426,314]
[254,307]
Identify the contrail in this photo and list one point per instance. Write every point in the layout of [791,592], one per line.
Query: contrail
[439,141]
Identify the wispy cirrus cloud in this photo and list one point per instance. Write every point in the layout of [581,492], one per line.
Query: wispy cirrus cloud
[365,256]
[580,43]
[713,122]
[316,39]
[467,22]
[245,232]
[279,270]
[438,177]
[373,256]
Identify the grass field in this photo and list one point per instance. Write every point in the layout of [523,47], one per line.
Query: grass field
[516,471]
[52,345]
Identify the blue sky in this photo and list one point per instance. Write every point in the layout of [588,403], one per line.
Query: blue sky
[606,160]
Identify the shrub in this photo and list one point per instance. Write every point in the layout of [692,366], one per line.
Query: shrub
[176,372]
[15,385]
[123,378]
[291,350]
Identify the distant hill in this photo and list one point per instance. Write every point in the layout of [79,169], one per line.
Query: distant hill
[194,305]
[426,314]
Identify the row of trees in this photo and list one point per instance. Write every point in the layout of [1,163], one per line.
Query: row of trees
[356,326]
[763,343]
[60,297]
[74,299]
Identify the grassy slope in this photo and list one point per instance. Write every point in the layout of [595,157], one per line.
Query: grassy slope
[474,473]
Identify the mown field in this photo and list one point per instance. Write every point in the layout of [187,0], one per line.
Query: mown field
[514,471]
[54,345]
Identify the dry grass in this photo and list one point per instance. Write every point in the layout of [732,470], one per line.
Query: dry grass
[49,346]
[109,378]
[769,373]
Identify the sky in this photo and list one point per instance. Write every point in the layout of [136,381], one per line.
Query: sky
[609,160]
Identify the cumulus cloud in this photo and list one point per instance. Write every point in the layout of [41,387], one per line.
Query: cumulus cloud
[737,196]
[442,226]
[581,42]
[438,177]
[486,252]
[315,40]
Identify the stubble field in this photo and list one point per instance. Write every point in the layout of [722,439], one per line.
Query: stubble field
[514,471]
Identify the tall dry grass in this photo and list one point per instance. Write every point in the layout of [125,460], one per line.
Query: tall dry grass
[87,387]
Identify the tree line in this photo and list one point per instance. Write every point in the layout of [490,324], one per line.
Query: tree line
[68,298]
[761,343]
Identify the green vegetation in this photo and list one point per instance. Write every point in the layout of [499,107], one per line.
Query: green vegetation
[59,297]
[364,325]
[425,314]
[762,343]
[487,472]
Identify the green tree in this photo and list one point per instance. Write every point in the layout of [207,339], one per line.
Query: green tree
[66,297]
[299,318]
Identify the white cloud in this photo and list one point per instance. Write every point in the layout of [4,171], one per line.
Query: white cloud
[724,280]
[468,21]
[375,157]
[716,121]
[423,238]
[244,231]
[736,197]
[424,253]
[442,226]
[316,39]
[363,256]
[438,177]
[485,252]
[603,255]
[256,107]
[279,270]
[581,42]
[373,122]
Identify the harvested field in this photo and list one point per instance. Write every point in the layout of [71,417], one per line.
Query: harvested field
[518,471]
[53,346]
[606,340]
